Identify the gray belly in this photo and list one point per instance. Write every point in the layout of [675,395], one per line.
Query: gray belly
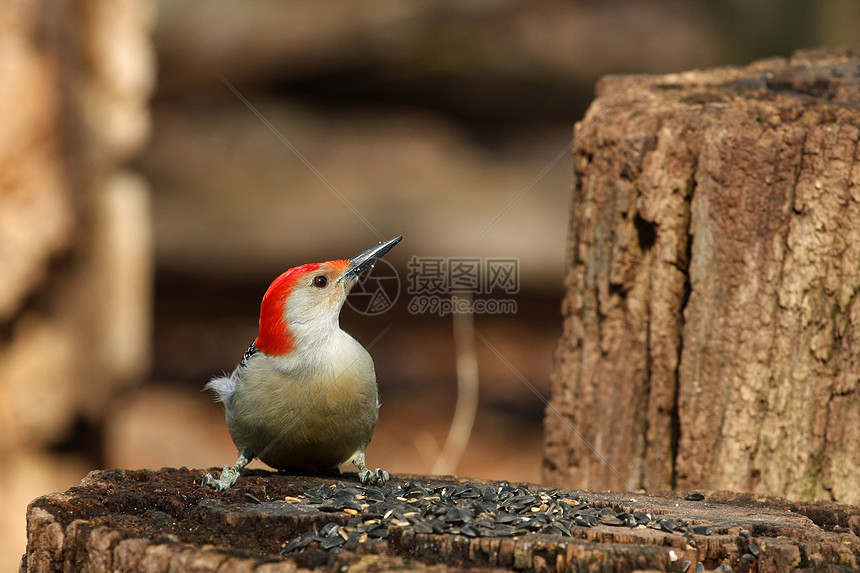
[308,425]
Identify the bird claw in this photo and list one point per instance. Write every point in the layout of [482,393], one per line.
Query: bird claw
[229,475]
[228,478]
[379,477]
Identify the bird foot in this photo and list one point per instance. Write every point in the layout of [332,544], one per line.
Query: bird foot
[229,475]
[378,477]
[228,478]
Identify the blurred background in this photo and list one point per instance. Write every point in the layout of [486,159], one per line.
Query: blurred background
[161,162]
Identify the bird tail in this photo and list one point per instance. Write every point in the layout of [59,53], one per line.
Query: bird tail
[223,386]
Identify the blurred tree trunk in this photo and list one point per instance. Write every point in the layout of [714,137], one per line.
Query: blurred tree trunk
[712,323]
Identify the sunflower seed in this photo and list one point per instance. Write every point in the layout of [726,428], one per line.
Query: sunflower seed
[505,517]
[332,542]
[292,545]
[352,541]
[423,527]
[585,521]
[379,533]
[610,520]
[504,530]
[754,549]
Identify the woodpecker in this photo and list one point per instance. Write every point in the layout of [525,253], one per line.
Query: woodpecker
[304,396]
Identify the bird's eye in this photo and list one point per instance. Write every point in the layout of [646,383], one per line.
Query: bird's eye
[320,281]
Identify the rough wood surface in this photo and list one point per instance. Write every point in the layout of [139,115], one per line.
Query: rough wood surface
[138,521]
[712,323]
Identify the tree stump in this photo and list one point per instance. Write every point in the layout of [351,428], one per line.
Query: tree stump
[711,318]
[145,521]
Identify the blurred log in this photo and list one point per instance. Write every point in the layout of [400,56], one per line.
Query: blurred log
[712,323]
[373,49]
[161,521]
[74,224]
[75,77]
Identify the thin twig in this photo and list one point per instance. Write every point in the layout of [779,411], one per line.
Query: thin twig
[467,389]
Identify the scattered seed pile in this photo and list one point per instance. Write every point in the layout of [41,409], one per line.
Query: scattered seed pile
[500,510]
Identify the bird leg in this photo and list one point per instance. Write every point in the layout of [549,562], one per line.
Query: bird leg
[365,476]
[229,475]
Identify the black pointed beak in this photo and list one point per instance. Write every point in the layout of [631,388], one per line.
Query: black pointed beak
[365,259]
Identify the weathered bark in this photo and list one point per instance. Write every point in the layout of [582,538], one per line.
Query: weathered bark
[159,521]
[711,314]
